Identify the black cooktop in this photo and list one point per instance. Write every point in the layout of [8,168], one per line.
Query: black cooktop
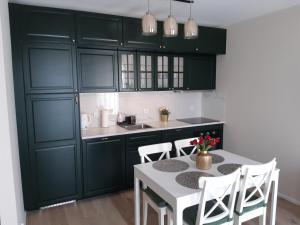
[198,120]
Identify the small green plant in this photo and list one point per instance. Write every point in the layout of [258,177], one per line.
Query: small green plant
[164,111]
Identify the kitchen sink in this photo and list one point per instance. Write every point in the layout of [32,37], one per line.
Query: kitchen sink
[139,126]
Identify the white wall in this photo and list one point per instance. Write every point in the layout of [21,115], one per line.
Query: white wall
[145,105]
[259,79]
[11,199]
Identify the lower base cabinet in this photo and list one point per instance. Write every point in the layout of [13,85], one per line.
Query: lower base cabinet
[103,165]
[133,142]
[177,134]
[56,176]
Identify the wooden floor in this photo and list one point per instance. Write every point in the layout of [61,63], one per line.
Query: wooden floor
[118,209]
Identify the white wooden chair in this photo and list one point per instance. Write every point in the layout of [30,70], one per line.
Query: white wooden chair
[216,211]
[252,202]
[180,145]
[149,196]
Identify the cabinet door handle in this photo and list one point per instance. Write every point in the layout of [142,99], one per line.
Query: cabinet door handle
[178,130]
[76,99]
[105,138]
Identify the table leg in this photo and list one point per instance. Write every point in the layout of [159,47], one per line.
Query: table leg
[137,209]
[178,216]
[274,201]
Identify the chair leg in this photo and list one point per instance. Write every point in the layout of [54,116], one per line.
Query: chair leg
[161,218]
[169,217]
[145,211]
[237,220]
[263,218]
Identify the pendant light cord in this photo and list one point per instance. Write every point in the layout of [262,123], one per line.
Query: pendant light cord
[170,7]
[148,6]
[190,10]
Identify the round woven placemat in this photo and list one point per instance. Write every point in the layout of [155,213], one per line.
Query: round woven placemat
[191,179]
[215,158]
[170,165]
[228,168]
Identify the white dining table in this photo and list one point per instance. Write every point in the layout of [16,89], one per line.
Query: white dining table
[180,197]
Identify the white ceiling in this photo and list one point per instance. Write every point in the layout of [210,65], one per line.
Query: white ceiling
[206,12]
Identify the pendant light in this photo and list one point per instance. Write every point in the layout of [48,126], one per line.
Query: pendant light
[149,24]
[190,27]
[170,25]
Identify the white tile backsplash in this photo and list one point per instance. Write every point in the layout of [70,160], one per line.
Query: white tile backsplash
[145,105]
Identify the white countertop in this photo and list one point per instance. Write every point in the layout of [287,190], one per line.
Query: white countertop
[156,126]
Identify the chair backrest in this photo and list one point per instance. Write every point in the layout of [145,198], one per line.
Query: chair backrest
[163,148]
[255,185]
[217,188]
[184,143]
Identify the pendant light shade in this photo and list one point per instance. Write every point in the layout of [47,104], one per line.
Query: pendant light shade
[149,24]
[190,27]
[170,25]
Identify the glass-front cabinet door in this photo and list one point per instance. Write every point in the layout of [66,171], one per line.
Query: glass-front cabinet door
[163,72]
[145,63]
[128,75]
[178,72]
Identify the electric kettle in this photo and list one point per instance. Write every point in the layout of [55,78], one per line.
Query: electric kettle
[85,120]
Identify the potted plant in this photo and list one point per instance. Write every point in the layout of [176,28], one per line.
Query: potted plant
[204,144]
[164,114]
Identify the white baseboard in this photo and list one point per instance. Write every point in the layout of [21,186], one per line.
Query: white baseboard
[292,200]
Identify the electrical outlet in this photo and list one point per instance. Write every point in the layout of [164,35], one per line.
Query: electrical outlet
[146,111]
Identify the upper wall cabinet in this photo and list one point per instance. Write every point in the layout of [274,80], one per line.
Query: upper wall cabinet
[178,43]
[201,73]
[49,68]
[211,40]
[97,70]
[146,69]
[99,29]
[46,24]
[134,38]
[127,71]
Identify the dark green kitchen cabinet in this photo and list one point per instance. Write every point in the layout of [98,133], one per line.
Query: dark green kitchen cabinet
[211,40]
[56,174]
[45,24]
[176,134]
[163,72]
[146,71]
[53,133]
[178,43]
[134,38]
[201,74]
[103,165]
[97,70]
[49,68]
[133,142]
[53,119]
[99,30]
[127,71]
[178,72]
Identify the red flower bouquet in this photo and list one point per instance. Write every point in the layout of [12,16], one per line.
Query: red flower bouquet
[205,143]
